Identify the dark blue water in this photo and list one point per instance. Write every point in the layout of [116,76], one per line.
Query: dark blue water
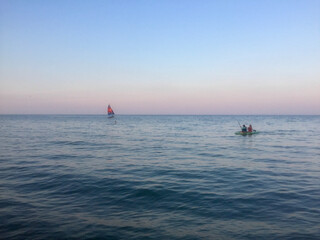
[159,177]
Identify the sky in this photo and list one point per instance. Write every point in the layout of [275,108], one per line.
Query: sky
[160,57]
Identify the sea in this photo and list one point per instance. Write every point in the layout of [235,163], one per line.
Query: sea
[159,177]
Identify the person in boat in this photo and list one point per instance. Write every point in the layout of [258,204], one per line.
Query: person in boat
[250,128]
[244,128]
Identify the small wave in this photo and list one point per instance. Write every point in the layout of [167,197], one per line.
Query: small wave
[71,143]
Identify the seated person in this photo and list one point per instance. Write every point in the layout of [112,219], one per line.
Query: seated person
[250,128]
[244,128]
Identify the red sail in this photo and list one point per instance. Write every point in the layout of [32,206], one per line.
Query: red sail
[110,111]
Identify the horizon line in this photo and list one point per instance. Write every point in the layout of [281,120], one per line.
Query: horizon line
[143,114]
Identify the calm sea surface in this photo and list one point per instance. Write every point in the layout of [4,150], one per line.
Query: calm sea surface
[159,177]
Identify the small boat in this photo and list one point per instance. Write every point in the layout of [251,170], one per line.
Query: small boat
[110,112]
[246,133]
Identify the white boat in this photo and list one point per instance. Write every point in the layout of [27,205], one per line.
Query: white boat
[110,112]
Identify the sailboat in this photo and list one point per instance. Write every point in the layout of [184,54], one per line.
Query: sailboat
[110,112]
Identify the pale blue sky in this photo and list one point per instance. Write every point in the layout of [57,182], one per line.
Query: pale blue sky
[198,57]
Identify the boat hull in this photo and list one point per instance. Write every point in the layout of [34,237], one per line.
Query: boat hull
[246,133]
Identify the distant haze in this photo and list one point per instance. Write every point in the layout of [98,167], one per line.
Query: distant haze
[160,57]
